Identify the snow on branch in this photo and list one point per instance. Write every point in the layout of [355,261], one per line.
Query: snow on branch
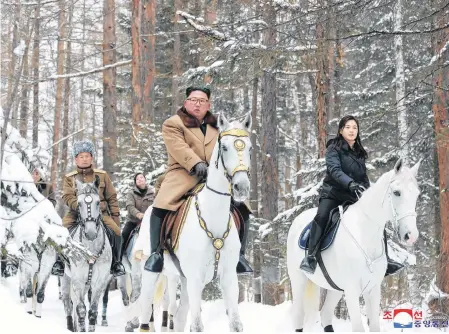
[232,43]
[82,74]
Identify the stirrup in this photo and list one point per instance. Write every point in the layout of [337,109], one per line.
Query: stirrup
[155,263]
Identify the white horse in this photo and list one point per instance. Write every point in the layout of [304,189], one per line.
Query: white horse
[95,273]
[137,301]
[35,271]
[209,243]
[356,260]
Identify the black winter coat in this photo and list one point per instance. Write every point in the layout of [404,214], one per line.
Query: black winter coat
[343,167]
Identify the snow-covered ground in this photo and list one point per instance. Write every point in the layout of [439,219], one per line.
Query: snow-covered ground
[256,317]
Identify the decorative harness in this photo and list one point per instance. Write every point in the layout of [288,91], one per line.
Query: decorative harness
[396,219]
[88,190]
[239,145]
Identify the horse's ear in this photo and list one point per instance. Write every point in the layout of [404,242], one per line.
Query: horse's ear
[415,168]
[248,122]
[398,165]
[223,123]
[97,181]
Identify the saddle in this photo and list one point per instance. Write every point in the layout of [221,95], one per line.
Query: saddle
[174,221]
[329,233]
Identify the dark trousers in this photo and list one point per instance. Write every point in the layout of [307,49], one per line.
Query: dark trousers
[126,232]
[324,208]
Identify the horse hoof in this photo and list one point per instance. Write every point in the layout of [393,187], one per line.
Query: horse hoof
[104,323]
[129,328]
[91,328]
[29,312]
[135,322]
[329,328]
[144,328]
[164,329]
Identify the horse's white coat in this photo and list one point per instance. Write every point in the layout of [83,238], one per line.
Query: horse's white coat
[356,260]
[195,251]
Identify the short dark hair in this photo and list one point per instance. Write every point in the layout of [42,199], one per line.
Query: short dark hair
[137,174]
[203,89]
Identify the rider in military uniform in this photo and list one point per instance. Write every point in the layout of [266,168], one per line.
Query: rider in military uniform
[83,153]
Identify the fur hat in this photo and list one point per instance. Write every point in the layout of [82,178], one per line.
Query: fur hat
[83,146]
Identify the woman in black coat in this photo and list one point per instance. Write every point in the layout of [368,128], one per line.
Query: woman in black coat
[345,180]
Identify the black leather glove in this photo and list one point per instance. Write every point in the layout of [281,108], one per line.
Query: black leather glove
[356,187]
[200,170]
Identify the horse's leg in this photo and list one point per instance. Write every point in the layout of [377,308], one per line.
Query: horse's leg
[97,292]
[327,312]
[372,302]
[59,287]
[180,317]
[165,305]
[352,302]
[172,287]
[149,280]
[136,289]
[29,295]
[68,306]
[43,277]
[194,290]
[122,282]
[104,320]
[24,279]
[298,282]
[230,287]
[78,295]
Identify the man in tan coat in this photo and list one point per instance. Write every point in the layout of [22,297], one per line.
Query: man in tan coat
[83,153]
[189,137]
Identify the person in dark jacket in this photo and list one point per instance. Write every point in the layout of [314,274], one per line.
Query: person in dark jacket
[345,180]
[43,187]
[137,202]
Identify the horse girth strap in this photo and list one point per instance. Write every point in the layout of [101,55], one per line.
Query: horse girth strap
[218,243]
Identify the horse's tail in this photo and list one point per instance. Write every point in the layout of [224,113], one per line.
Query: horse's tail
[160,289]
[311,301]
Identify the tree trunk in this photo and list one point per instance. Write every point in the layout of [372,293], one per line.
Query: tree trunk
[24,102]
[321,83]
[148,53]
[255,152]
[400,83]
[177,69]
[12,63]
[82,115]
[136,75]
[35,66]
[65,122]
[109,89]
[269,170]
[59,90]
[440,109]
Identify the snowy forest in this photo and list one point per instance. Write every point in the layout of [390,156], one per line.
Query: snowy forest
[112,71]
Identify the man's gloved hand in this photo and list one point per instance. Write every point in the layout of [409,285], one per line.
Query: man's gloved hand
[199,170]
[116,219]
[356,187]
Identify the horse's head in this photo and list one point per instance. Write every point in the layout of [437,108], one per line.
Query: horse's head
[89,213]
[235,154]
[401,196]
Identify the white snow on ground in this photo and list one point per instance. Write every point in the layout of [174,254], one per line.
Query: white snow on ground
[256,317]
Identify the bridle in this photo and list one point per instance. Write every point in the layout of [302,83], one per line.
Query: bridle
[239,145]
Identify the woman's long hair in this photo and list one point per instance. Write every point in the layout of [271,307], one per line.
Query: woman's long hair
[339,140]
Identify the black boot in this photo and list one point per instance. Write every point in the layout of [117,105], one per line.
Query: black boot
[58,267]
[155,262]
[392,266]
[117,268]
[309,262]
[243,266]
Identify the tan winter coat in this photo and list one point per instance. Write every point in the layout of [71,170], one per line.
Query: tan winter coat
[186,146]
[138,203]
[108,196]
